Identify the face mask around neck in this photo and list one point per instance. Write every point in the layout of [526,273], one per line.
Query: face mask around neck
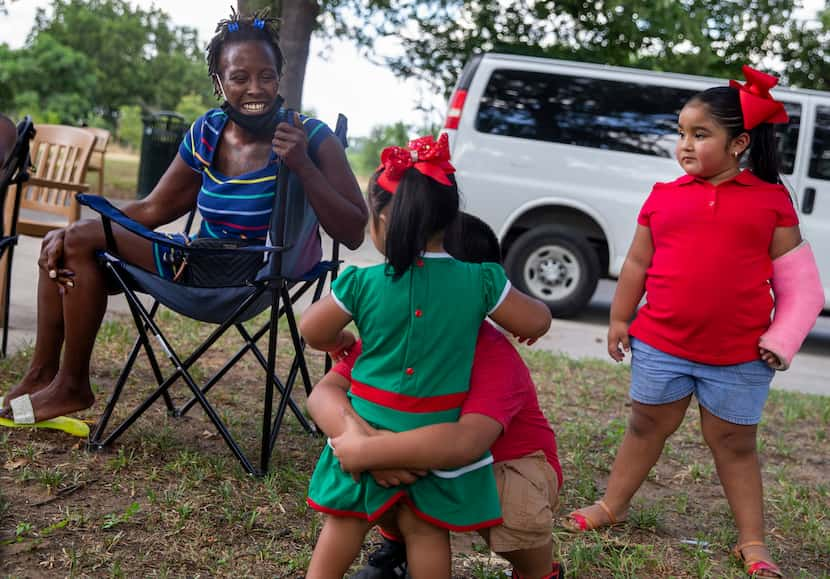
[261,125]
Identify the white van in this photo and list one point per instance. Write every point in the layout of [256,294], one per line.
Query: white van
[558,157]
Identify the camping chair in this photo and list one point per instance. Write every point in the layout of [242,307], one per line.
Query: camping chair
[275,285]
[14,172]
[60,156]
[99,151]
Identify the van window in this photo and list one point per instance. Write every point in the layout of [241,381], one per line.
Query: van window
[589,112]
[820,155]
[604,114]
[788,137]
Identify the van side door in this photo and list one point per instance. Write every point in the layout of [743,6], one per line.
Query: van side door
[814,189]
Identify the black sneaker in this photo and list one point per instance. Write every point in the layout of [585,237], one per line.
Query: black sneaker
[387,562]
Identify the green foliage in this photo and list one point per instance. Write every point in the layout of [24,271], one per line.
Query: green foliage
[85,60]
[130,126]
[712,37]
[192,106]
[804,52]
[364,155]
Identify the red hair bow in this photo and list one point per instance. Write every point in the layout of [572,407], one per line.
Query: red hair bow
[757,104]
[430,157]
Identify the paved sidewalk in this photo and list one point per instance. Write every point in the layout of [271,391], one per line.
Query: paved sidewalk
[582,337]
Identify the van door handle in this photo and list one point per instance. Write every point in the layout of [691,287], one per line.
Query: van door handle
[808,201]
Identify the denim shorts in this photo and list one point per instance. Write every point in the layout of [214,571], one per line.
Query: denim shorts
[735,393]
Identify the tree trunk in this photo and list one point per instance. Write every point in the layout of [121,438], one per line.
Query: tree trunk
[298,20]
[248,7]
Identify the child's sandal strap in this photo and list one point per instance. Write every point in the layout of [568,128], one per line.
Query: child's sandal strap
[608,511]
[754,568]
[583,521]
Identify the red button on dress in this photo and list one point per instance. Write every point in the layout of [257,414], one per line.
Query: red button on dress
[418,313]
[410,371]
[420,263]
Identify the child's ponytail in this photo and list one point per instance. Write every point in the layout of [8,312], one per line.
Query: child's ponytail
[738,106]
[421,208]
[763,153]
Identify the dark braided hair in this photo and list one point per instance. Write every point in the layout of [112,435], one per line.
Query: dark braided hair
[258,27]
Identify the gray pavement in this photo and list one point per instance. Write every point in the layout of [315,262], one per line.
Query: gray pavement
[581,337]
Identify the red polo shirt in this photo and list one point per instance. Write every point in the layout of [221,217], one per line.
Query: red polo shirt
[707,288]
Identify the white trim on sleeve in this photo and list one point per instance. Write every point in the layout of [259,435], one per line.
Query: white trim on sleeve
[340,304]
[502,297]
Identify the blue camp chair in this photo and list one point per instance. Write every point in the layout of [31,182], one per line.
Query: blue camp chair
[277,284]
[13,174]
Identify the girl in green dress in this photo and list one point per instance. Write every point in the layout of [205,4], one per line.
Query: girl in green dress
[418,315]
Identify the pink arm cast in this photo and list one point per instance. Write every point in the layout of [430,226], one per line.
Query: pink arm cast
[799,299]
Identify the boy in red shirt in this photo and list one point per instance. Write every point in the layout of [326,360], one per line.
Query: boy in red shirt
[501,413]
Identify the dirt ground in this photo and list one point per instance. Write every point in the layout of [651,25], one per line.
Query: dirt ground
[169,499]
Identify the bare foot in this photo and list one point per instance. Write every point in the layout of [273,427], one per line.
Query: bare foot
[593,517]
[33,381]
[59,398]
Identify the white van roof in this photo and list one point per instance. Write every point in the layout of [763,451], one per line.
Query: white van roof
[576,65]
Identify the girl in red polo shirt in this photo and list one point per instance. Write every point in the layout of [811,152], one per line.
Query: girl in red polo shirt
[703,255]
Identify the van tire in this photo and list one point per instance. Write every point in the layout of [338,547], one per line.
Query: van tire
[565,257]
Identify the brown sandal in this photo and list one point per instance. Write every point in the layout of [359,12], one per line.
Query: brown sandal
[755,566]
[582,522]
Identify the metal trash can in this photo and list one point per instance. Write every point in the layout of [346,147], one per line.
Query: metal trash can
[163,132]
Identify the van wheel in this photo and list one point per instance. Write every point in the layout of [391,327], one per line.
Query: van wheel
[557,265]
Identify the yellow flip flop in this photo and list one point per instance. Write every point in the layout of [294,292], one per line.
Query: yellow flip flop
[24,418]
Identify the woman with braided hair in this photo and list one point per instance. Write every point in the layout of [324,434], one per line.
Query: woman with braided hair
[226,167]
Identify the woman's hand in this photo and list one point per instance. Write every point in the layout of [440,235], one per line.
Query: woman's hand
[51,259]
[618,340]
[291,144]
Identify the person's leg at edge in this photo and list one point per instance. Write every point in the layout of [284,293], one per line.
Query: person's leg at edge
[337,547]
[72,317]
[648,428]
[734,448]
[427,547]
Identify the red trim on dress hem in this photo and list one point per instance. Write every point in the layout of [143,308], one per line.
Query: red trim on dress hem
[420,514]
[406,403]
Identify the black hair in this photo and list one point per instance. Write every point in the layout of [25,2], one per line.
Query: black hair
[258,27]
[421,208]
[9,134]
[470,239]
[724,104]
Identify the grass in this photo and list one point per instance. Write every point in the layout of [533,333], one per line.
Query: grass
[169,499]
[120,176]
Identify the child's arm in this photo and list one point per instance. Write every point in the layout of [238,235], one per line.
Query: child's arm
[523,316]
[322,326]
[630,289]
[799,297]
[328,406]
[422,448]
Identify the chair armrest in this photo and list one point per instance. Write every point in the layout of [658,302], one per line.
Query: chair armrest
[51,184]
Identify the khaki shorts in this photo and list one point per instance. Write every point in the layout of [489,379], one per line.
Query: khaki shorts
[529,494]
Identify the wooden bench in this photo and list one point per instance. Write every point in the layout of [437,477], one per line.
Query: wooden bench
[60,157]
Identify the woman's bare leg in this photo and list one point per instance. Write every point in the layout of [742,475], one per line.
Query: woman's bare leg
[71,316]
[48,340]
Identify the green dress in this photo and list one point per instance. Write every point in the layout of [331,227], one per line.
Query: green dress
[419,333]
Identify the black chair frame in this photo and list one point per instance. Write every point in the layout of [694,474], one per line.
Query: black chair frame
[14,173]
[276,291]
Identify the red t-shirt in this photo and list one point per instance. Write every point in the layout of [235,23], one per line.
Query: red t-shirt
[707,288]
[500,388]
